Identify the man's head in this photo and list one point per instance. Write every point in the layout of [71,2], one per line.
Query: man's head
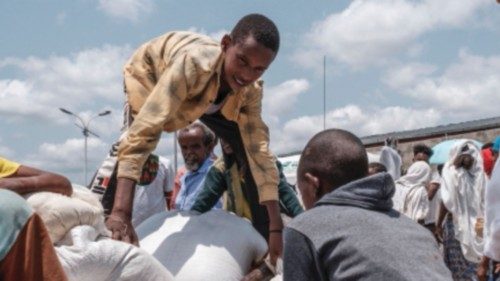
[464,159]
[196,142]
[422,152]
[249,50]
[375,168]
[330,159]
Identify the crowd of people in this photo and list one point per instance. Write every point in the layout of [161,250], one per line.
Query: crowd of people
[351,219]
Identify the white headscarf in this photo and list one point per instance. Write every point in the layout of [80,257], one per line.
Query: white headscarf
[411,196]
[462,192]
[391,159]
[492,209]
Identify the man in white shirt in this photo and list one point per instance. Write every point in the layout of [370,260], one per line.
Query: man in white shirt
[151,198]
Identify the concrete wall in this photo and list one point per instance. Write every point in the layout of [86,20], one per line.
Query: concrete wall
[406,148]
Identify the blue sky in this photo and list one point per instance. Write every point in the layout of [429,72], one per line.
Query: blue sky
[391,65]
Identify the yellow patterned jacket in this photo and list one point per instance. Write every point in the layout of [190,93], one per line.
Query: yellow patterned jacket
[170,82]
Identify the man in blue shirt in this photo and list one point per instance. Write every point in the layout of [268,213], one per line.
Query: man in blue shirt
[196,142]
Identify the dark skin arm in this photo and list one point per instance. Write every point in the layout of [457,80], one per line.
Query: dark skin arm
[432,189]
[27,180]
[119,222]
[439,224]
[275,223]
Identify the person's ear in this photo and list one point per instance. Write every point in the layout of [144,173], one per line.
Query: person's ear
[225,42]
[313,182]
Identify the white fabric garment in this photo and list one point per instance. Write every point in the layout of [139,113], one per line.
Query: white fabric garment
[86,256]
[150,199]
[391,159]
[411,196]
[492,210]
[61,213]
[216,245]
[462,192]
[433,213]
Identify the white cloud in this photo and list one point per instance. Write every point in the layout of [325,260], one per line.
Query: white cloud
[5,151]
[360,121]
[468,88]
[281,98]
[86,78]
[216,35]
[404,75]
[130,10]
[372,31]
[68,158]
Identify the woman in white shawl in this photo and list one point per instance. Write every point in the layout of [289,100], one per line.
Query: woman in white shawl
[462,193]
[411,197]
[492,226]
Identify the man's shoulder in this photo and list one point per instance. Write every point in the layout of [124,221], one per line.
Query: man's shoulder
[309,218]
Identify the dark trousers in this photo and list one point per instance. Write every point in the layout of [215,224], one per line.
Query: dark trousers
[229,131]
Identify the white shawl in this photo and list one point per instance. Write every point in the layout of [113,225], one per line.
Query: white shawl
[462,192]
[492,207]
[411,196]
[391,159]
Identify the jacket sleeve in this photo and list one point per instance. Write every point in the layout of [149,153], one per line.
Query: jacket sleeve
[211,192]
[288,199]
[300,261]
[255,135]
[160,106]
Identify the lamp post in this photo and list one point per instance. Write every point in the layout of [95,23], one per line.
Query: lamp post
[85,130]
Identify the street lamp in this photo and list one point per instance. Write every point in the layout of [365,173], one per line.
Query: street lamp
[85,130]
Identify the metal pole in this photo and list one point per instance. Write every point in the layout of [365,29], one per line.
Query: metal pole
[86,131]
[324,92]
[86,136]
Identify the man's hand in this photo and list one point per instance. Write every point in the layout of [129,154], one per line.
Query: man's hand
[119,221]
[121,228]
[482,269]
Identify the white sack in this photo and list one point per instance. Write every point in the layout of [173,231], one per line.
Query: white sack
[86,257]
[216,245]
[61,213]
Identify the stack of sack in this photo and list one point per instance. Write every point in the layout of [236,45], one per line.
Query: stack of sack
[83,244]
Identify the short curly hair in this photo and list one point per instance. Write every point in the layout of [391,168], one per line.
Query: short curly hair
[422,148]
[260,27]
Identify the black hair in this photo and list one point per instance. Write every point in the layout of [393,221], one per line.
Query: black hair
[260,27]
[487,145]
[377,167]
[335,156]
[422,148]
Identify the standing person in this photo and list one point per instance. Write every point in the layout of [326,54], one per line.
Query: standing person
[492,228]
[434,199]
[182,170]
[349,230]
[422,152]
[411,197]
[151,196]
[227,175]
[179,77]
[462,211]
[196,146]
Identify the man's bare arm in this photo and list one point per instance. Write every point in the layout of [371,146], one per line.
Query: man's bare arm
[27,180]
[120,219]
